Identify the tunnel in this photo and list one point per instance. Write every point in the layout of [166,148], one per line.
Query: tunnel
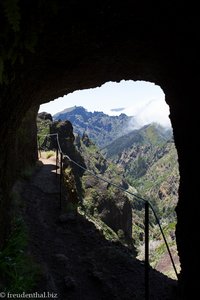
[49,49]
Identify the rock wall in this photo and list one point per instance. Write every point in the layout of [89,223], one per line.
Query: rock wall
[18,152]
[116,213]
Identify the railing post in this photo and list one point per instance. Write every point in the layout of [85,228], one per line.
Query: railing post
[61,174]
[39,146]
[56,160]
[146,250]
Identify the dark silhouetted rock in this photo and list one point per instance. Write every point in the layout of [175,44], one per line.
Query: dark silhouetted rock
[45,116]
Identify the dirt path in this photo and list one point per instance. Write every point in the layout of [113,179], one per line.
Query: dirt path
[77,262]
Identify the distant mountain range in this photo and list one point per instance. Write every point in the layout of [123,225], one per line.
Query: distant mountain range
[143,160]
[101,128]
[152,134]
[147,155]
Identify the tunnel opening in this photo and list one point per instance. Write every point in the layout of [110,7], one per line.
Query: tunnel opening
[150,165]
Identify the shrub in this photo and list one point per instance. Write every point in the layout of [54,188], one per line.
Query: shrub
[50,154]
[19,273]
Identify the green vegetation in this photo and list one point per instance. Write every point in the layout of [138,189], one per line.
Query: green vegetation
[43,130]
[106,231]
[49,154]
[101,198]
[147,160]
[71,190]
[18,271]
[160,182]
[150,162]
[94,188]
[146,138]
[154,134]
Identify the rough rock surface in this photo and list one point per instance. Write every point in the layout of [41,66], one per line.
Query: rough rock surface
[45,116]
[116,213]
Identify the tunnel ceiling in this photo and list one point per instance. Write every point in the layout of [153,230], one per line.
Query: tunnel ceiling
[61,47]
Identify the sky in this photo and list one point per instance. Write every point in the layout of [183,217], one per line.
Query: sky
[143,100]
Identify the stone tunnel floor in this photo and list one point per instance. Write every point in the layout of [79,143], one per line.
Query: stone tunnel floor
[77,262]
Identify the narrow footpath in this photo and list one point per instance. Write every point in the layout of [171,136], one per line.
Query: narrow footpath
[77,262]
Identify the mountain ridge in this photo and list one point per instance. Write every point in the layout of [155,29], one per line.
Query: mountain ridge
[100,127]
[148,162]
[153,133]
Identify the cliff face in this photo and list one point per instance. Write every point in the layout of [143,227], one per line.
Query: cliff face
[66,137]
[99,199]
[149,159]
[98,42]
[117,214]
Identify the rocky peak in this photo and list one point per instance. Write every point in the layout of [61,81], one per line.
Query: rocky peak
[100,127]
[65,133]
[45,116]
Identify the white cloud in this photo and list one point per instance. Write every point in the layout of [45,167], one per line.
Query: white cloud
[154,110]
[144,100]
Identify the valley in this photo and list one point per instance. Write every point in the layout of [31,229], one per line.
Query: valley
[143,161]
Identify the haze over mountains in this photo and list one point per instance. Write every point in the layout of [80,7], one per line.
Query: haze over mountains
[100,127]
[147,155]
[146,160]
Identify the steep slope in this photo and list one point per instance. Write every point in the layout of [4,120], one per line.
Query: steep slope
[101,200]
[76,261]
[138,150]
[147,160]
[160,185]
[152,134]
[160,182]
[44,121]
[101,128]
[107,205]
[150,163]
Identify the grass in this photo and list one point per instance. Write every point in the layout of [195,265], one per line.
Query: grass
[104,229]
[47,154]
[50,154]
[18,271]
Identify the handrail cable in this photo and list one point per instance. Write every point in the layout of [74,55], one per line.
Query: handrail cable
[164,238]
[122,189]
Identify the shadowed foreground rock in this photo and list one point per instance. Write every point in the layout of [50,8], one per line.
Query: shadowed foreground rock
[76,261]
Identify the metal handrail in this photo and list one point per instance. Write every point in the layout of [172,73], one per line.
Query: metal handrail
[147,206]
